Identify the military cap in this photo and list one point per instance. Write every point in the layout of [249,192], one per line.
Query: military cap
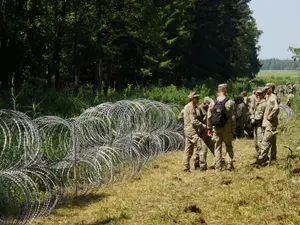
[222,86]
[269,85]
[194,94]
[207,100]
[259,91]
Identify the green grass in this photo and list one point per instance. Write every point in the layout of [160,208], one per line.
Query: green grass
[279,73]
[161,194]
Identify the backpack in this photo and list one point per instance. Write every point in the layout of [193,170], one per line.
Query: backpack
[219,115]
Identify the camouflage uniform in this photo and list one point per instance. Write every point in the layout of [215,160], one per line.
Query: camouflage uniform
[269,140]
[241,116]
[191,128]
[256,119]
[223,134]
[204,139]
[252,102]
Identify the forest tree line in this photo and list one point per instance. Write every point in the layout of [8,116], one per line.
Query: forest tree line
[280,64]
[66,43]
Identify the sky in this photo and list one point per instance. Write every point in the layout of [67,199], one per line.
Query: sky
[279,20]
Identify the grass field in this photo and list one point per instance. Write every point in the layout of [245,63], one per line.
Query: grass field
[279,73]
[162,194]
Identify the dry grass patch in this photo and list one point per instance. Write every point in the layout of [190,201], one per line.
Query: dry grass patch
[162,194]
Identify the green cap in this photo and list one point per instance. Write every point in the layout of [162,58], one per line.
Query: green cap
[207,100]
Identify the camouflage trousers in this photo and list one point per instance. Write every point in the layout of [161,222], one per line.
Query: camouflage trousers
[221,135]
[258,136]
[196,148]
[268,142]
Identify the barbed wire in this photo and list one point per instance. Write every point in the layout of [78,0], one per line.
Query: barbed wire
[46,159]
[50,158]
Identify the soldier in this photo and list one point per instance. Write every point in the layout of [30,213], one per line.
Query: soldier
[252,102]
[192,126]
[241,116]
[203,108]
[257,119]
[270,123]
[221,123]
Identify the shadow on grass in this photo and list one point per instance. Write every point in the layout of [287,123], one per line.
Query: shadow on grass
[109,220]
[80,201]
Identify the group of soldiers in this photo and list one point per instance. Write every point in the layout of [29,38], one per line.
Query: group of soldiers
[217,121]
[286,89]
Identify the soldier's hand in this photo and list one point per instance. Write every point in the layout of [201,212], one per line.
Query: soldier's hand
[268,118]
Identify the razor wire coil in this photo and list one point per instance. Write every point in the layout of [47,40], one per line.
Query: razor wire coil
[46,159]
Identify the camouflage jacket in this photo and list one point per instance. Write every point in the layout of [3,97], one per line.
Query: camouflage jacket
[272,111]
[192,124]
[259,110]
[252,102]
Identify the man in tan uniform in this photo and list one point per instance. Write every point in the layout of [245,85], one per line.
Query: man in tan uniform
[257,119]
[202,141]
[191,128]
[270,123]
[241,117]
[221,125]
[252,101]
[202,109]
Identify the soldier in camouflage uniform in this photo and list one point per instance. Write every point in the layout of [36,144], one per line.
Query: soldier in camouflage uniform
[248,127]
[241,117]
[203,141]
[256,120]
[192,126]
[203,108]
[270,123]
[222,130]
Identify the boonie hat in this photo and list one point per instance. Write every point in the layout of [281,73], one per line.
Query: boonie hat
[194,94]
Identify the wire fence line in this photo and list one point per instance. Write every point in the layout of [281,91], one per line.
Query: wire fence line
[45,159]
[49,158]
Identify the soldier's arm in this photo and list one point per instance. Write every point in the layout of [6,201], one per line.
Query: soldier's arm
[195,121]
[275,109]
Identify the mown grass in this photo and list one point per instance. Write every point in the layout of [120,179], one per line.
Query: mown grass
[279,76]
[279,73]
[162,194]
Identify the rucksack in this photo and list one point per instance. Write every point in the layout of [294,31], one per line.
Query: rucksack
[219,115]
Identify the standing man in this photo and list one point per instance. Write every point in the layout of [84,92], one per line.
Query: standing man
[270,123]
[241,117]
[192,126]
[257,119]
[221,125]
[204,140]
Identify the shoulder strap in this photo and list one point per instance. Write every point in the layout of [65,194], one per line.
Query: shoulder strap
[225,100]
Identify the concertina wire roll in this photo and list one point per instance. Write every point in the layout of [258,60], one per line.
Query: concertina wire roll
[49,158]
